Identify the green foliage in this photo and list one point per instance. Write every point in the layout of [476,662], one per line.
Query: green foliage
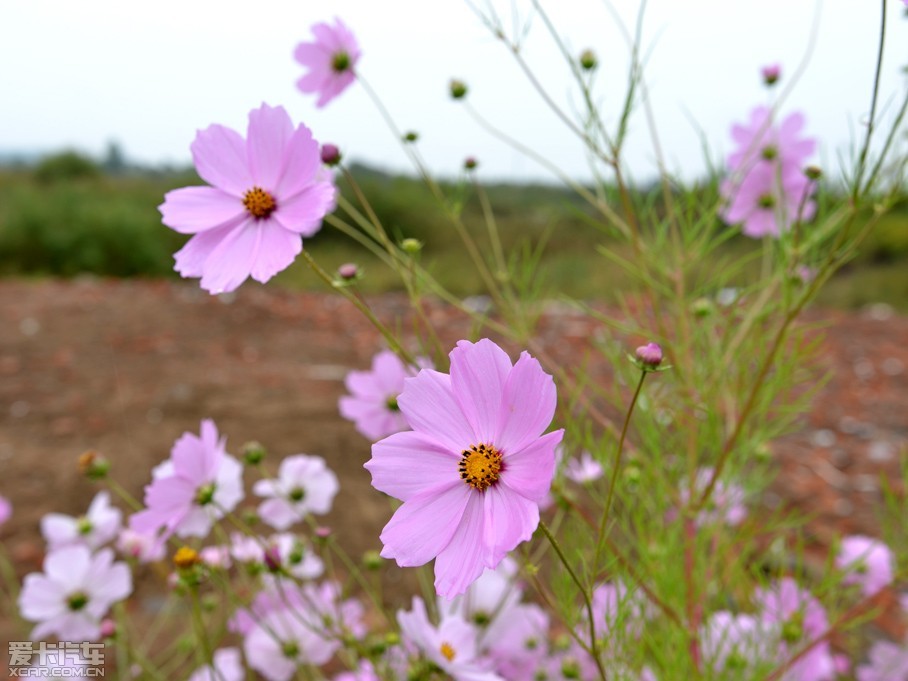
[66,218]
[66,165]
[97,225]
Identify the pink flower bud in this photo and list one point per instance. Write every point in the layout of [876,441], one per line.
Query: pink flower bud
[108,627]
[771,74]
[348,271]
[650,355]
[331,155]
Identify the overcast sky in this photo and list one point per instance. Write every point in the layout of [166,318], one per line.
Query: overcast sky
[149,74]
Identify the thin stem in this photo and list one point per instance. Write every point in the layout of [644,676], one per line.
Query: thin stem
[361,305]
[862,159]
[594,645]
[611,489]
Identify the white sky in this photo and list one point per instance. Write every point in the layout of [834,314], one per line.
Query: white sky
[149,74]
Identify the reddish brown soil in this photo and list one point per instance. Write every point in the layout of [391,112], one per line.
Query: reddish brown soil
[124,367]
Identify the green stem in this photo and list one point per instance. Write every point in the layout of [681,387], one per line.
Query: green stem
[618,452]
[594,645]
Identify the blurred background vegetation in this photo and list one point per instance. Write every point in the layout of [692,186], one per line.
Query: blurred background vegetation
[67,214]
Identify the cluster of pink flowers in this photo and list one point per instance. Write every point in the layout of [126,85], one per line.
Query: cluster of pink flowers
[766,189]
[466,452]
[268,190]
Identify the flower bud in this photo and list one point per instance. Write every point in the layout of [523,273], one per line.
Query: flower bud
[372,560]
[458,89]
[703,307]
[813,173]
[348,271]
[93,466]
[771,74]
[411,246]
[108,628]
[331,155]
[569,668]
[470,163]
[649,355]
[272,559]
[253,453]
[588,60]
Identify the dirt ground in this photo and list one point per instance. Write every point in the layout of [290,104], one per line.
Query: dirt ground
[124,367]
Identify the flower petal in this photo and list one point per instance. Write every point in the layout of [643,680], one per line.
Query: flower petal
[278,248]
[529,472]
[303,213]
[220,159]
[194,209]
[478,375]
[267,137]
[231,261]
[463,560]
[527,405]
[421,528]
[510,518]
[408,464]
[428,404]
[301,160]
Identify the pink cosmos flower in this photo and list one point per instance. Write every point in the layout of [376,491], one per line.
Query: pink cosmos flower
[6,509]
[216,557]
[280,642]
[797,618]
[475,467]
[197,486]
[304,485]
[372,404]
[726,505]
[94,529]
[227,667]
[868,563]
[330,59]
[510,634]
[364,672]
[766,189]
[583,469]
[267,193]
[736,643]
[295,556]
[888,662]
[143,547]
[451,645]
[767,204]
[72,595]
[320,606]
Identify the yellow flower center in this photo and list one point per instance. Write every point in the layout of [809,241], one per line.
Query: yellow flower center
[480,466]
[259,203]
[447,651]
[186,558]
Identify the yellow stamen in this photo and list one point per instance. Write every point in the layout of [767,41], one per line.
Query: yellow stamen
[480,466]
[448,651]
[259,203]
[186,558]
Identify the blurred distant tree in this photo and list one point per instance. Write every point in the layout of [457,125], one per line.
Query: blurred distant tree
[66,165]
[114,162]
